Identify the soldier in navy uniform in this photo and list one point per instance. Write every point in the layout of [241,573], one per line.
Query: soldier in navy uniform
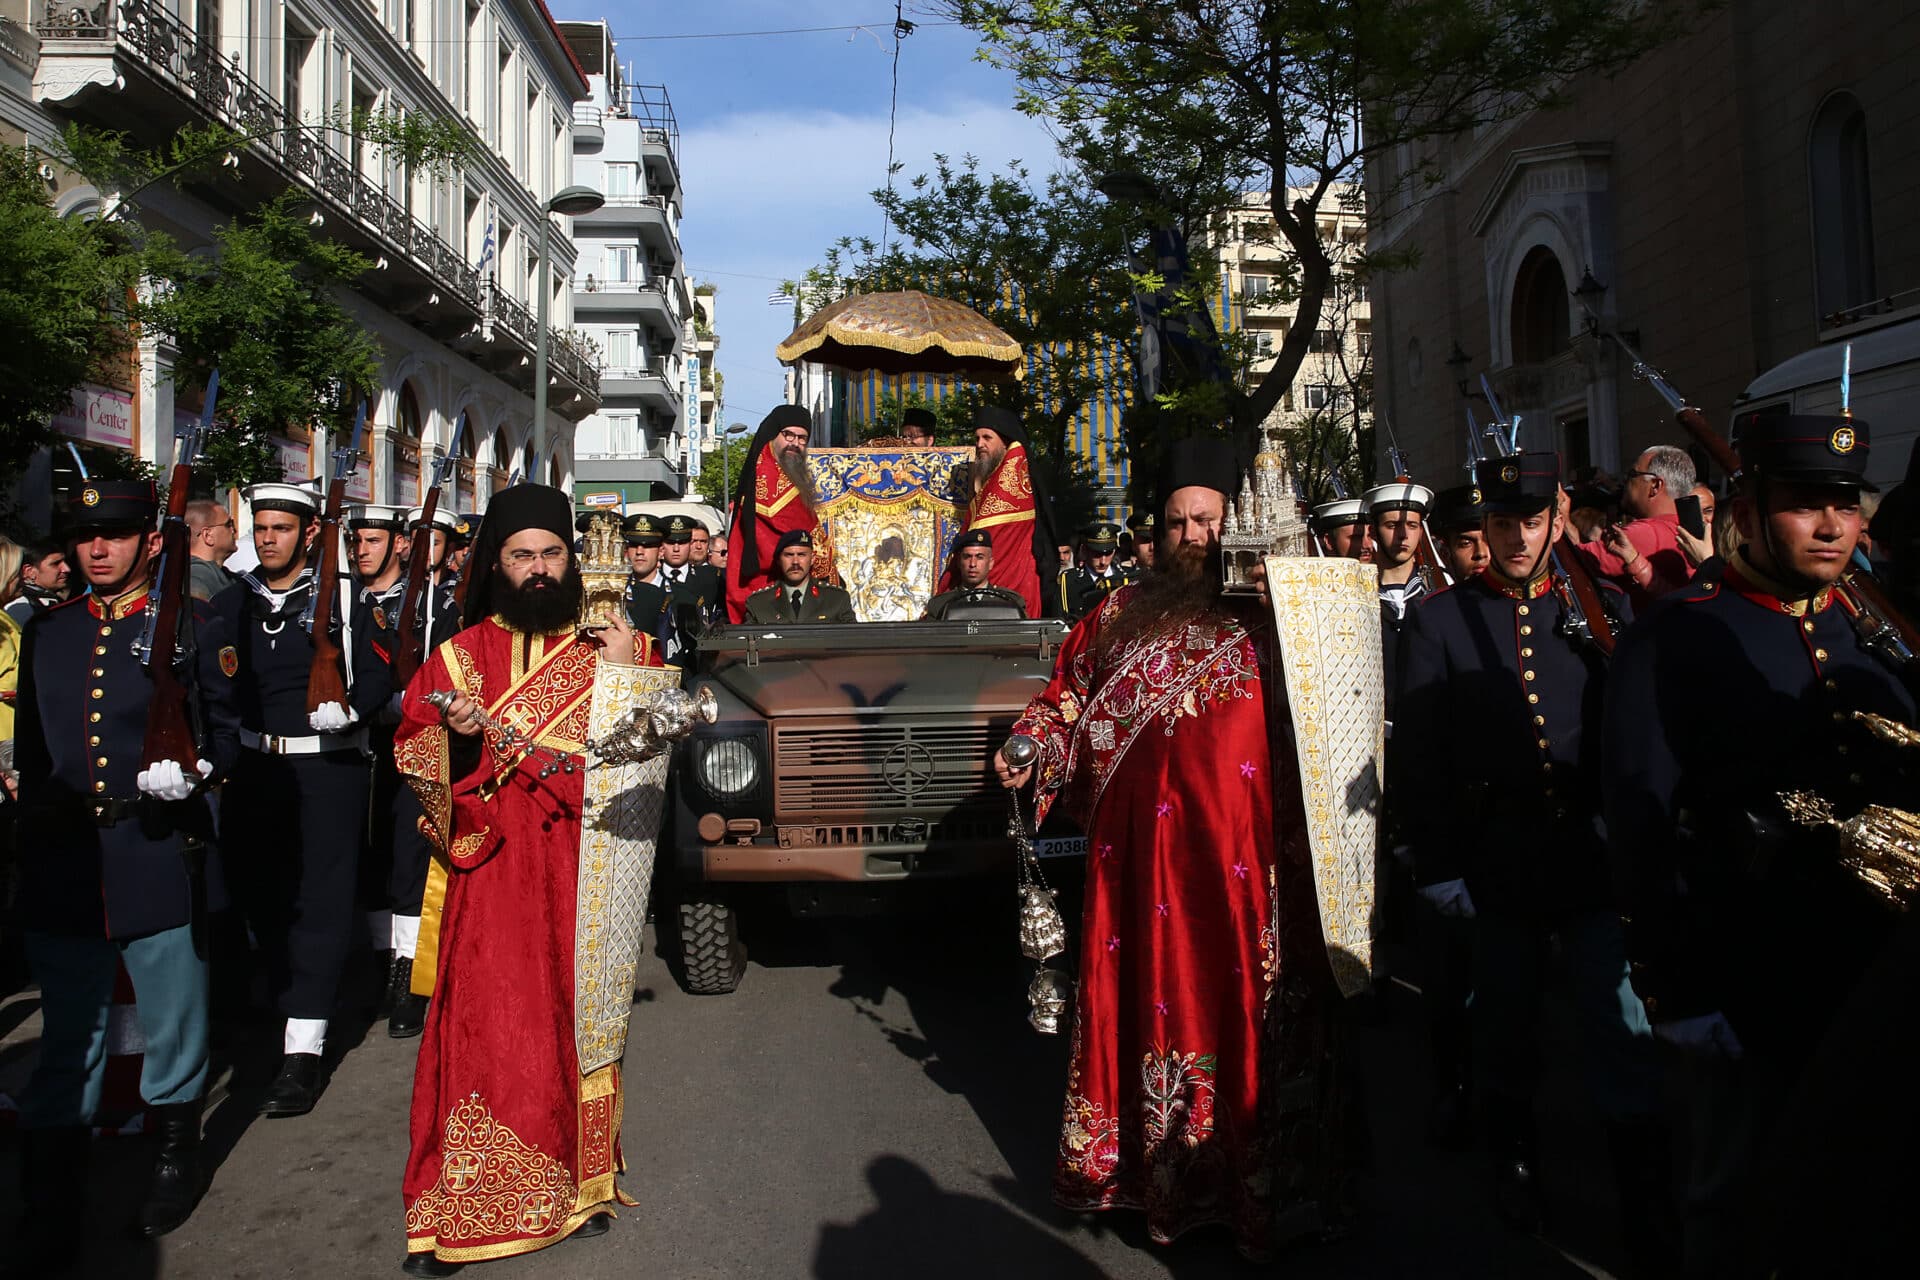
[973,594]
[1746,934]
[1145,530]
[298,797]
[796,595]
[1080,587]
[1342,529]
[1396,522]
[644,537]
[1459,541]
[378,542]
[695,592]
[115,869]
[1499,729]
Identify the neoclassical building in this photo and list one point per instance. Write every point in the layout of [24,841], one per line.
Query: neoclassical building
[452,296]
[1733,200]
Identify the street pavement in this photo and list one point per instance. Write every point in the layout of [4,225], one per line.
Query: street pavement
[870,1103]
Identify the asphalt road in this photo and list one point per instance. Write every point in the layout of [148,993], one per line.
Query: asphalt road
[870,1103]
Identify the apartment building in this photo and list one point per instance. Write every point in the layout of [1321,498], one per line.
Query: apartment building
[1256,299]
[452,295]
[630,288]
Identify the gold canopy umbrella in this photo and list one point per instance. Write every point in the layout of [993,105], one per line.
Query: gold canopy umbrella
[905,332]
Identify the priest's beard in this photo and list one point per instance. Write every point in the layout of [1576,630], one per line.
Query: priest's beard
[983,468]
[541,605]
[1182,587]
[793,464]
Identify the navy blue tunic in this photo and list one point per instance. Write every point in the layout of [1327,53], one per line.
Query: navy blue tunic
[1495,770]
[1721,699]
[78,737]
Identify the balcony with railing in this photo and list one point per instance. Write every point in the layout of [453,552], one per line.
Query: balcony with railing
[131,64]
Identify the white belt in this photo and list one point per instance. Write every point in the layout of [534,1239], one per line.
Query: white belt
[315,744]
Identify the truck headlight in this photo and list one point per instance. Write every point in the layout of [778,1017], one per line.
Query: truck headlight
[729,766]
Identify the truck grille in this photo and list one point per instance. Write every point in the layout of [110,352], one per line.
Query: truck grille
[881,769]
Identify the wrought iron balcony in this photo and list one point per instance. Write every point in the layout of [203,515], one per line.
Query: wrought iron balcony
[113,44]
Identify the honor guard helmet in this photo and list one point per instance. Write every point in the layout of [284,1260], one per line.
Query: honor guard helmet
[1519,484]
[1803,448]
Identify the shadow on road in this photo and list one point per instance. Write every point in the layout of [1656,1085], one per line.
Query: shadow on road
[941,1235]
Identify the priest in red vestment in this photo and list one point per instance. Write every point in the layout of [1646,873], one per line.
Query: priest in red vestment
[1010,504]
[774,497]
[1204,1086]
[514,1146]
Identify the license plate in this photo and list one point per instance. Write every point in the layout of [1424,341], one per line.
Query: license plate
[1061,847]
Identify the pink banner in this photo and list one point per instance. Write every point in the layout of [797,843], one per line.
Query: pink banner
[296,465]
[99,415]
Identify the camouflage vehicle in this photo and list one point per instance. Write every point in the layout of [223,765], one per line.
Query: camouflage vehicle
[850,755]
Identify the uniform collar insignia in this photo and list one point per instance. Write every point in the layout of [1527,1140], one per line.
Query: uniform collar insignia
[1541,584]
[124,605]
[1749,583]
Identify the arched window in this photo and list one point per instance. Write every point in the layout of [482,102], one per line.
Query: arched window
[406,449]
[502,460]
[1837,179]
[1541,304]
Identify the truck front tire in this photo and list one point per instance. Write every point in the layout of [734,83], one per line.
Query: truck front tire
[711,957]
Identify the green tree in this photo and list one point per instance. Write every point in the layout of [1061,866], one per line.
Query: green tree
[1044,261]
[262,306]
[1293,97]
[718,470]
[62,296]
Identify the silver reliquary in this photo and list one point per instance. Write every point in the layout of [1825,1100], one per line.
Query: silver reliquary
[1265,520]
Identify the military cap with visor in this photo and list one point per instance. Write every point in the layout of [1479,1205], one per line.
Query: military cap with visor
[120,505]
[642,530]
[1804,448]
[1100,536]
[1455,509]
[1520,484]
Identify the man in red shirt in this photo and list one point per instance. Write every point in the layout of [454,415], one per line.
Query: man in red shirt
[1642,557]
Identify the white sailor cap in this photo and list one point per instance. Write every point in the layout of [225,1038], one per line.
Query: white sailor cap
[442,518]
[1398,496]
[298,499]
[1341,511]
[375,515]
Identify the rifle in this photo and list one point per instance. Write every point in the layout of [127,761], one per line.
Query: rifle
[1302,507]
[416,605]
[165,646]
[326,679]
[1426,559]
[1879,623]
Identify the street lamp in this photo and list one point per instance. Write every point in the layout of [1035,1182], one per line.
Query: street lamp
[573,202]
[726,459]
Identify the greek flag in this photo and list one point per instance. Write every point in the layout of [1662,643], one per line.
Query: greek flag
[779,298]
[486,249]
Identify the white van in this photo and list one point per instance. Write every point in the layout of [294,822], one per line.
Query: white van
[1886,391]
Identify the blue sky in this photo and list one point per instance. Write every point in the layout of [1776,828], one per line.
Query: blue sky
[784,137]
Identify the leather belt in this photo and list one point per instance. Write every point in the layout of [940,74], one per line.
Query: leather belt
[273,744]
[108,813]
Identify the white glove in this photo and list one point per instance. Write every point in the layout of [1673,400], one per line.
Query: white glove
[166,780]
[1707,1033]
[331,717]
[1450,898]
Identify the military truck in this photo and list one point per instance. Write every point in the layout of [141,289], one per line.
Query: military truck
[845,757]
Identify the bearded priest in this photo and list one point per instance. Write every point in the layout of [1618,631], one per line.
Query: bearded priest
[774,497]
[517,1098]
[1010,505]
[1204,1084]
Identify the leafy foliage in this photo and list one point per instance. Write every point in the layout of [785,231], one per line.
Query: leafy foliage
[1294,97]
[716,473]
[1046,262]
[259,305]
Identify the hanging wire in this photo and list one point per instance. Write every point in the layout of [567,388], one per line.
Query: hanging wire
[901,30]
